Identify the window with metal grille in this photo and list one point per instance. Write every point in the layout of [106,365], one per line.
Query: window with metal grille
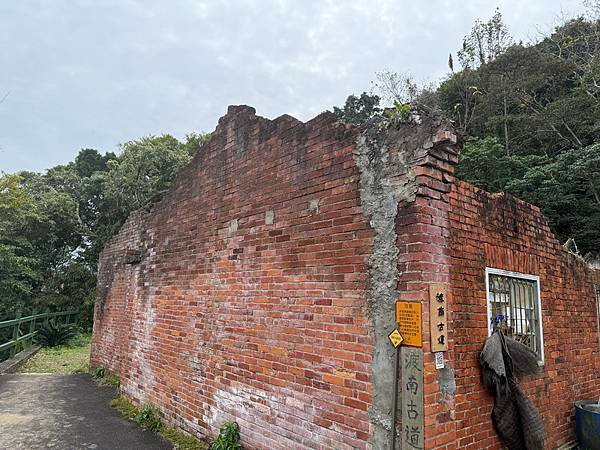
[514,306]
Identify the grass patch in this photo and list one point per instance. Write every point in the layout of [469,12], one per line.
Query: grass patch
[71,358]
[109,380]
[148,418]
[104,378]
[181,440]
[125,407]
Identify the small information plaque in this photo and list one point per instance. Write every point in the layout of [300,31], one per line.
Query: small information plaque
[408,316]
[439,360]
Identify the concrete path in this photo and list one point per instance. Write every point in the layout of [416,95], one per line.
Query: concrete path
[39,411]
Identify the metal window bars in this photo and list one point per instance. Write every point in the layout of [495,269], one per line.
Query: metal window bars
[514,308]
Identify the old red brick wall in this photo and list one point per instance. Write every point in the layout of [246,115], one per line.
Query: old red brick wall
[117,285]
[261,288]
[498,231]
[241,295]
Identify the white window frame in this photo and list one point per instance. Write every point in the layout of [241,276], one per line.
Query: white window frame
[525,276]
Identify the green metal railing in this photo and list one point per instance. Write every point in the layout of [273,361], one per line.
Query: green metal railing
[22,330]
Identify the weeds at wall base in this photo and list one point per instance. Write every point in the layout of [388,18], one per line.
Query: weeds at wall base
[104,378]
[148,418]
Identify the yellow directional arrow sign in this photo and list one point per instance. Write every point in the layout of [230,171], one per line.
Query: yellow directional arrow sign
[395,338]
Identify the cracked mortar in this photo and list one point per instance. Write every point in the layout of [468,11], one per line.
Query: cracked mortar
[386,156]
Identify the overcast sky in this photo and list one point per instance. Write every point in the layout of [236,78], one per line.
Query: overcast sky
[95,73]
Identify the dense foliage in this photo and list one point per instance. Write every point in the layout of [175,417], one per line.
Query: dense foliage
[53,334]
[54,225]
[530,116]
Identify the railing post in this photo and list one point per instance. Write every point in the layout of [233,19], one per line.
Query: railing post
[15,335]
[31,330]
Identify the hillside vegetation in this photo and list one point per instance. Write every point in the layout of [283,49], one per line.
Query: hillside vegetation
[529,115]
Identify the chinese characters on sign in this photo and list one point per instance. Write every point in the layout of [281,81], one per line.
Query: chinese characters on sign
[408,316]
[412,398]
[438,317]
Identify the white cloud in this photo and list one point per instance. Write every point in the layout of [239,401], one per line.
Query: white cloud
[86,73]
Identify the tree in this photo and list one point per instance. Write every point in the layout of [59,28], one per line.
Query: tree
[458,97]
[396,87]
[54,225]
[88,161]
[193,141]
[485,42]
[17,266]
[577,43]
[358,110]
[144,171]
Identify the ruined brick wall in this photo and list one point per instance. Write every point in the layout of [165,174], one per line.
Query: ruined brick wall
[499,231]
[248,300]
[262,287]
[118,280]
[448,235]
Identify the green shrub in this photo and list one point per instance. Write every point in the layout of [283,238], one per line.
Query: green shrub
[149,418]
[99,372]
[53,334]
[228,438]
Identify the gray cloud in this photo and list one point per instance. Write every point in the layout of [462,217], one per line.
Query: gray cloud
[85,73]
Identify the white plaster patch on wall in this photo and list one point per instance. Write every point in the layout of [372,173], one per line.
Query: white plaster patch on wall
[269,217]
[240,397]
[233,226]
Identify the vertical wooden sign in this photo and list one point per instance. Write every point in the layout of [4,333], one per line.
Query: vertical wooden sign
[413,432]
[438,317]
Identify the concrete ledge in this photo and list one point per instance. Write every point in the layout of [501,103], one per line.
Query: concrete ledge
[12,364]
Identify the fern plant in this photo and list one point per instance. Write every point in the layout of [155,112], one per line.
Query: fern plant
[228,438]
[53,334]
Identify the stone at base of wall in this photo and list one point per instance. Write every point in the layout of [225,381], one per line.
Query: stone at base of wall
[12,364]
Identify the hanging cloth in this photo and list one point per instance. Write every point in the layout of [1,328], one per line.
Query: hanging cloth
[515,417]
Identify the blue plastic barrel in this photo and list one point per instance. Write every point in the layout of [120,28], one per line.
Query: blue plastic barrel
[587,424]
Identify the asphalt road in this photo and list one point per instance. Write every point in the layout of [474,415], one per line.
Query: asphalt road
[41,411]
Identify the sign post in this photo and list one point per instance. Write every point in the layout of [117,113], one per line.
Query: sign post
[396,339]
[410,324]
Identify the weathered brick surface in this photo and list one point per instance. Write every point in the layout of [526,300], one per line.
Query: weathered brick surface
[248,302]
[499,231]
[252,291]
